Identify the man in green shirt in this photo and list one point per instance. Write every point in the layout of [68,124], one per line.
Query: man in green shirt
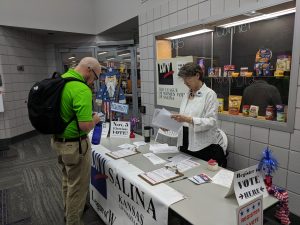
[76,100]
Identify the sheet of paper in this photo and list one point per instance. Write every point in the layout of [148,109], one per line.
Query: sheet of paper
[180,157]
[184,165]
[159,175]
[224,178]
[154,158]
[162,118]
[139,143]
[123,153]
[126,146]
[163,148]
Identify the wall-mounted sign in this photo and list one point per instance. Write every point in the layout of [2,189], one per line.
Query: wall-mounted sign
[169,87]
[118,107]
[251,213]
[120,129]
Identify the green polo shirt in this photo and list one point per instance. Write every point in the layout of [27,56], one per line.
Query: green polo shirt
[76,98]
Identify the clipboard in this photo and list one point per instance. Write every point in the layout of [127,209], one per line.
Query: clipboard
[177,174]
[111,154]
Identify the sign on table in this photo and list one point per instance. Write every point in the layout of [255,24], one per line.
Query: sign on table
[120,129]
[251,213]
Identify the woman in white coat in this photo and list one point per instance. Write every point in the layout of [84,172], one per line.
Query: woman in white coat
[198,115]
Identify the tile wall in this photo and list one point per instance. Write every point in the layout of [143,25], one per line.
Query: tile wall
[245,142]
[18,47]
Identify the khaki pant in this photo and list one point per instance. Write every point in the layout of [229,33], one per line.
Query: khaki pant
[76,171]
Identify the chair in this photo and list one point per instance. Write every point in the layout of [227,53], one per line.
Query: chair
[222,141]
[168,133]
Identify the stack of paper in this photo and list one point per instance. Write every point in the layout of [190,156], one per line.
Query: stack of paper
[163,148]
[182,163]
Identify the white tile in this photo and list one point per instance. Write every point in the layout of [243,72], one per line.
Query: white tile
[256,149]
[150,14]
[182,4]
[231,5]
[144,64]
[150,62]
[204,10]
[298,96]
[294,203]
[247,3]
[260,134]
[279,177]
[182,17]
[142,18]
[228,127]
[192,2]
[157,25]
[144,29]
[230,161]
[279,138]
[150,27]
[297,119]
[253,162]
[193,13]
[165,23]
[151,75]
[157,12]
[242,130]
[295,140]
[173,20]
[150,40]
[230,146]
[143,53]
[281,154]
[173,6]
[294,160]
[164,9]
[217,7]
[293,183]
[150,53]
[242,146]
[144,41]
[240,162]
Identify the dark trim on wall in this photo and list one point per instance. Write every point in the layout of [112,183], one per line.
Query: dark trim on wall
[4,143]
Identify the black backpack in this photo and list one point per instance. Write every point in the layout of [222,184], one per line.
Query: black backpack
[44,105]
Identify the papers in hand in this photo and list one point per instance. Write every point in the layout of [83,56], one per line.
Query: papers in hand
[162,148]
[162,118]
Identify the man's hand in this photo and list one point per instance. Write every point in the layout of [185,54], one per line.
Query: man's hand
[96,118]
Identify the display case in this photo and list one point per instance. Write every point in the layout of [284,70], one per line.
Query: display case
[247,60]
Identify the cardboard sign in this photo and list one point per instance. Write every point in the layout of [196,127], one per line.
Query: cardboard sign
[251,213]
[120,129]
[248,184]
[118,107]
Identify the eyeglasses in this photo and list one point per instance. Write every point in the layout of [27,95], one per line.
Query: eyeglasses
[96,77]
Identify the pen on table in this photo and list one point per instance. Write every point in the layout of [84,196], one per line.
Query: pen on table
[172,181]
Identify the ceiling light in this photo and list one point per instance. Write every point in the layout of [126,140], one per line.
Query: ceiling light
[101,53]
[110,58]
[124,54]
[190,34]
[72,57]
[258,18]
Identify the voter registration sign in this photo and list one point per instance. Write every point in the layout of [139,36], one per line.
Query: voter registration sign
[251,213]
[120,129]
[248,184]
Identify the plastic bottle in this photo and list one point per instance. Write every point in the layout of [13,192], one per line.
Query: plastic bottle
[97,134]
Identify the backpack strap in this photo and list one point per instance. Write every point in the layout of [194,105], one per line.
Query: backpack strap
[68,79]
